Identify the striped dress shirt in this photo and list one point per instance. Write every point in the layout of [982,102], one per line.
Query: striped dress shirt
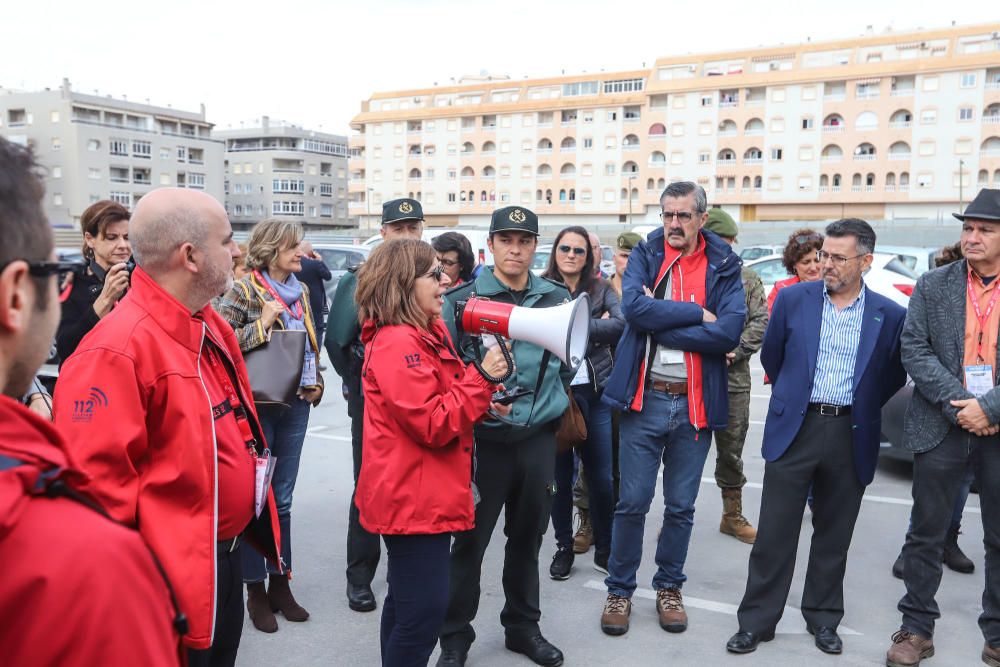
[839,338]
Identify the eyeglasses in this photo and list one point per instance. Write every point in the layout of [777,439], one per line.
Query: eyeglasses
[565,249]
[803,239]
[435,273]
[447,262]
[61,270]
[682,216]
[838,260]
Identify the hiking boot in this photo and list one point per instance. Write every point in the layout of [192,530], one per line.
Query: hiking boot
[260,609]
[953,556]
[670,607]
[584,537]
[614,620]
[562,563]
[280,597]
[733,522]
[991,655]
[908,649]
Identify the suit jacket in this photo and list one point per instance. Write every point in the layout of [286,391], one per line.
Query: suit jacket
[933,347]
[791,345]
[314,273]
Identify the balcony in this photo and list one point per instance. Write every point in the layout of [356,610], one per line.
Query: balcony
[288,170]
[869,188]
[901,125]
[890,188]
[833,128]
[899,156]
[993,85]
[904,187]
[834,188]
[992,120]
[726,163]
[722,133]
[753,160]
[824,188]
[754,133]
[726,104]
[865,157]
[830,159]
[834,97]
[866,94]
[990,152]
[755,101]
[630,147]
[901,92]
[855,188]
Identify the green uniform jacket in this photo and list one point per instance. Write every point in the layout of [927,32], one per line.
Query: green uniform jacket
[550,402]
[343,332]
[753,331]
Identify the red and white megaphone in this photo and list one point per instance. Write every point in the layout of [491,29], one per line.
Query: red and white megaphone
[564,330]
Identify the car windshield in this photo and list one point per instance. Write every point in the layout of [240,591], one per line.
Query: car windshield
[541,259]
[897,266]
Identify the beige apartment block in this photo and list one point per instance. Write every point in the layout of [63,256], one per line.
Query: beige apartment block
[279,170]
[885,126]
[95,147]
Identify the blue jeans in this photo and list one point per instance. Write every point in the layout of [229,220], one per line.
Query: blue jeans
[417,600]
[285,431]
[595,452]
[662,431]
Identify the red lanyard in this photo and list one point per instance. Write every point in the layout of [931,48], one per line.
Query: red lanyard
[235,406]
[297,313]
[981,318]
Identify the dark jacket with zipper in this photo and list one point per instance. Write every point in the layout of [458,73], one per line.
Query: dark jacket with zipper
[604,332]
[78,314]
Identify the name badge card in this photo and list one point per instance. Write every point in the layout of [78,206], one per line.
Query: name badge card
[979,379]
[264,468]
[671,356]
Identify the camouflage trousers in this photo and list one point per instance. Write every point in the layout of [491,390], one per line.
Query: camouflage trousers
[729,443]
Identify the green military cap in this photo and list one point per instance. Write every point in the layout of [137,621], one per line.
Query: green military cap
[514,219]
[721,223]
[398,210]
[628,240]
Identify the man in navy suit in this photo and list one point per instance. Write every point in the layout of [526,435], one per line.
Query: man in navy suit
[833,355]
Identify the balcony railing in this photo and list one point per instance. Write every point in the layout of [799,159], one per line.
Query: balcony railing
[721,133]
[834,188]
[855,188]
[989,152]
[723,162]
[899,156]
[831,158]
[630,147]
[754,132]
[755,102]
[833,128]
[890,188]
[545,150]
[993,85]
[753,160]
[824,188]
[865,157]
[993,119]
[866,94]
[732,103]
[834,97]
[869,188]
[900,125]
[901,92]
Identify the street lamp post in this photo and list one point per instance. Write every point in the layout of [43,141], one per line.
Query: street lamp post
[961,165]
[631,178]
[368,206]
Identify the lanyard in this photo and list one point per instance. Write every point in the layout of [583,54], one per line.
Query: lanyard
[297,313]
[232,400]
[981,318]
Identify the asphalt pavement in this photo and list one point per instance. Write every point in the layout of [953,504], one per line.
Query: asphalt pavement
[716,570]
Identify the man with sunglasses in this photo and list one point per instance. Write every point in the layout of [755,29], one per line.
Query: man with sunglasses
[78,588]
[401,219]
[832,352]
[514,458]
[683,301]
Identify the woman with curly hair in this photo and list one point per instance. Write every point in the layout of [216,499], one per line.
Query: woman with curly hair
[799,258]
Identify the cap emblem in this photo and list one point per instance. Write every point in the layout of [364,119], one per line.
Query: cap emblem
[405,207]
[517,216]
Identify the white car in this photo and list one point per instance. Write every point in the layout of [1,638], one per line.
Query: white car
[888,276]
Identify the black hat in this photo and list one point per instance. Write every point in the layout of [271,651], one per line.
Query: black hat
[398,210]
[514,219]
[986,206]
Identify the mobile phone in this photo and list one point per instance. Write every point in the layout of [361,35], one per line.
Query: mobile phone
[508,396]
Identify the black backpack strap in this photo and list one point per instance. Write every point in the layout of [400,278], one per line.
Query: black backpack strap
[51,485]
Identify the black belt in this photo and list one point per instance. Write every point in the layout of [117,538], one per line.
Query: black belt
[828,410]
[227,546]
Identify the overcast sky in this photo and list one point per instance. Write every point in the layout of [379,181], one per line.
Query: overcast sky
[313,62]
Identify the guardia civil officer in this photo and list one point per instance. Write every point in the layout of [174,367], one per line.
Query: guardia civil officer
[515,458]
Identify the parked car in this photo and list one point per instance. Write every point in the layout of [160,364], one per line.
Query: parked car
[752,252]
[542,259]
[477,237]
[917,259]
[338,258]
[888,276]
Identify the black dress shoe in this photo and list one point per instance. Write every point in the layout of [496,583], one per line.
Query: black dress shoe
[536,647]
[827,640]
[746,642]
[360,597]
[452,657]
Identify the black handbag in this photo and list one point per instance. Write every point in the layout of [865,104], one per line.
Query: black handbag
[275,368]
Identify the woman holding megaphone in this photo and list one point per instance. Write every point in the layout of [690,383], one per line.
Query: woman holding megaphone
[421,402]
[572,262]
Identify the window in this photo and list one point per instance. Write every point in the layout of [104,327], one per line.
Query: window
[809,92]
[965,113]
[123,198]
[926,147]
[612,116]
[968,80]
[588,142]
[623,85]
[609,169]
[54,116]
[143,149]
[777,124]
[451,197]
[704,157]
[778,95]
[807,123]
[94,174]
[527,120]
[56,143]
[928,116]
[805,153]
[609,196]
[677,130]
[925,180]
[776,154]
[931,84]
[504,146]
[706,100]
[610,141]
[774,183]
[580,88]
[805,183]
[164,179]
[587,169]
[680,101]
[93,145]
[397,151]
[677,157]
[325,189]
[196,181]
[56,172]
[963,146]
[118,147]
[526,171]
[288,208]
[705,128]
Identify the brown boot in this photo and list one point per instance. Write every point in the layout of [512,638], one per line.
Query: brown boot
[670,608]
[908,649]
[614,620]
[259,609]
[280,597]
[584,537]
[991,655]
[733,522]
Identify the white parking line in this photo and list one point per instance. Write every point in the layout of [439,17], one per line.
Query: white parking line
[314,432]
[791,622]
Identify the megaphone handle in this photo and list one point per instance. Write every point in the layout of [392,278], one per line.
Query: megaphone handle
[506,355]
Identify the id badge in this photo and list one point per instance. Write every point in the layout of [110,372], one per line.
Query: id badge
[476,497]
[979,379]
[264,470]
[671,357]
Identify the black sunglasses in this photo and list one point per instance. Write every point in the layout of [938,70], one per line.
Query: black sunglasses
[565,249]
[61,270]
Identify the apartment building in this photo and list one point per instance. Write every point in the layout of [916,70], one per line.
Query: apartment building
[885,126]
[279,170]
[95,147]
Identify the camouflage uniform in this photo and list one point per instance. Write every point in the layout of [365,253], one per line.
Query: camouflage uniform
[729,443]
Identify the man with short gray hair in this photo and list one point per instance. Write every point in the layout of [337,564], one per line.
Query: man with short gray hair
[682,297]
[157,401]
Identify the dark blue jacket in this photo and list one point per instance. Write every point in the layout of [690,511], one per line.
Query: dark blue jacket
[315,273]
[791,345]
[679,325]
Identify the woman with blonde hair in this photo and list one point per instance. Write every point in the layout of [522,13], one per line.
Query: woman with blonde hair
[269,297]
[421,402]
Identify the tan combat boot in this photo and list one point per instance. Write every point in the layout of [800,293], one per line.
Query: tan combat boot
[584,537]
[908,650]
[733,522]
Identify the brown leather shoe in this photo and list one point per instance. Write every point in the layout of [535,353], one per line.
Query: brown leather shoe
[584,537]
[670,607]
[259,608]
[908,649]
[733,522]
[991,655]
[614,620]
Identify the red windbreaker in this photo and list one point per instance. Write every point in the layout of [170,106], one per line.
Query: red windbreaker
[77,589]
[421,402]
[132,401]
